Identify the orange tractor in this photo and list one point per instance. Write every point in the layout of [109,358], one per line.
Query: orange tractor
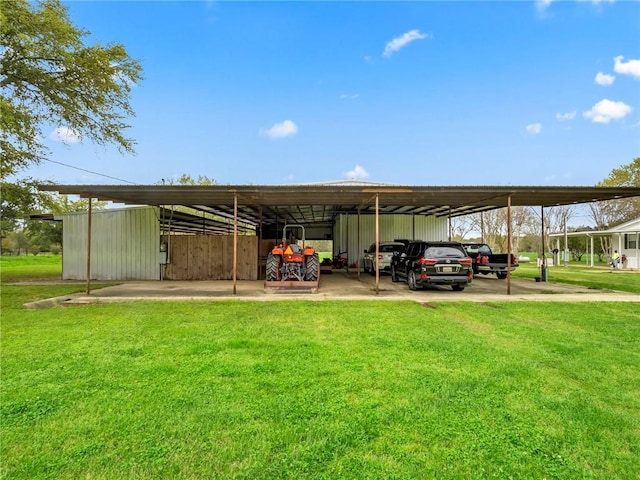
[289,261]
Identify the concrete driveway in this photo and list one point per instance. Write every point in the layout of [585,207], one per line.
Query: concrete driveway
[341,285]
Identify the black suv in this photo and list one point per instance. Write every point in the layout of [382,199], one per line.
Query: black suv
[433,263]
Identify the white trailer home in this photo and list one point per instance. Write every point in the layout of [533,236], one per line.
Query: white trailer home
[625,238]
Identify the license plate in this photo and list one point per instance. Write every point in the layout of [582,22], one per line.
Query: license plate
[447,269]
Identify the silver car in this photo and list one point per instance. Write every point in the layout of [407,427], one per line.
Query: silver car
[385,254]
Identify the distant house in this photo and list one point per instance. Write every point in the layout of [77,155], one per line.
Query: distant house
[627,238]
[624,237]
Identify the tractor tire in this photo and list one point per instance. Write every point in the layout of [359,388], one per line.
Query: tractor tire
[273,267]
[312,266]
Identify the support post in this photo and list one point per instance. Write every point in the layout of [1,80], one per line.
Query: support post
[235,240]
[358,242]
[620,250]
[377,263]
[566,245]
[509,245]
[543,262]
[347,242]
[89,211]
[260,244]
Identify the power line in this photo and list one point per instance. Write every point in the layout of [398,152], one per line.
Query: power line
[89,171]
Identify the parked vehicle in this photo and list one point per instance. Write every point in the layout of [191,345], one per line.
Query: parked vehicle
[486,262]
[433,263]
[290,261]
[385,254]
[338,262]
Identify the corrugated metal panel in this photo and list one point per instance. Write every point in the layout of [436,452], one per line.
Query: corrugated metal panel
[124,245]
[392,227]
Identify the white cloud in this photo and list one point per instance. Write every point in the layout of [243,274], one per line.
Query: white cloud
[357,172]
[606,110]
[543,5]
[349,96]
[534,128]
[566,116]
[65,135]
[402,41]
[280,130]
[632,67]
[604,79]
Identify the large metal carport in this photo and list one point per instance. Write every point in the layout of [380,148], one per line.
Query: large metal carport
[267,206]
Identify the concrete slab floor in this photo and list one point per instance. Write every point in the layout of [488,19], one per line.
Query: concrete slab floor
[342,286]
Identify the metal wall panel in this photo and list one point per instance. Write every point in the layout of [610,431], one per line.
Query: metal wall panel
[392,227]
[124,245]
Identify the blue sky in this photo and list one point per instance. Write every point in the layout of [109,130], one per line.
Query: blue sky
[427,93]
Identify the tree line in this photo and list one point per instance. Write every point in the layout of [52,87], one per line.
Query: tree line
[527,222]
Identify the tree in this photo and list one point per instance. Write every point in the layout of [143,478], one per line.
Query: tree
[607,214]
[578,246]
[47,234]
[461,227]
[555,220]
[186,179]
[610,213]
[44,234]
[625,176]
[492,226]
[17,201]
[49,78]
[18,242]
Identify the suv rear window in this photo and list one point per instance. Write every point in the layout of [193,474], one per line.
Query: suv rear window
[391,248]
[443,252]
[481,249]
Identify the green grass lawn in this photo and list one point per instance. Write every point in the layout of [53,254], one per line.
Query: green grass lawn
[594,277]
[298,389]
[29,267]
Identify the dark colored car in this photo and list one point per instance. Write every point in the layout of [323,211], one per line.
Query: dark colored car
[433,263]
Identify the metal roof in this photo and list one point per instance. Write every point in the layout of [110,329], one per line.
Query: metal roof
[320,203]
